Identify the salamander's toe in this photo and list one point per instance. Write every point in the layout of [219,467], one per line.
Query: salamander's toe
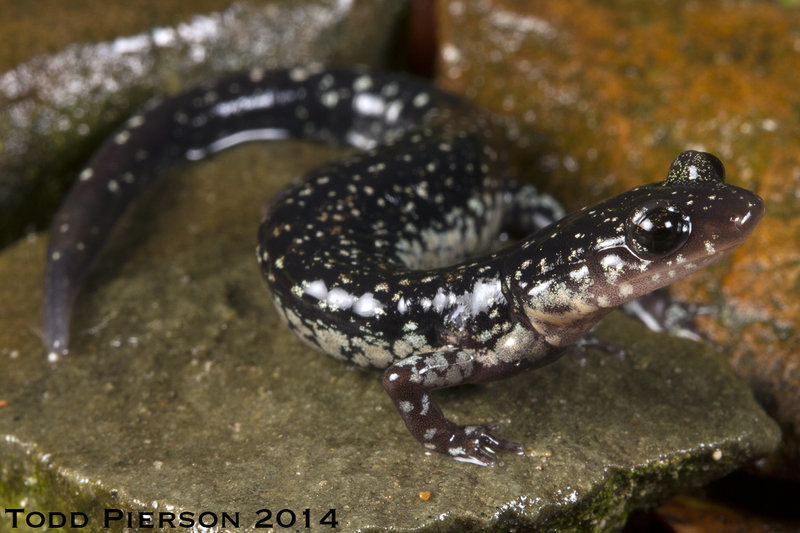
[480,446]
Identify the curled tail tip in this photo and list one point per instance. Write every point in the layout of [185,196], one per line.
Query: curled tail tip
[56,350]
[54,356]
[55,322]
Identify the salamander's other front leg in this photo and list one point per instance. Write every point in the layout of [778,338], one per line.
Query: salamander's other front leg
[660,312]
[409,383]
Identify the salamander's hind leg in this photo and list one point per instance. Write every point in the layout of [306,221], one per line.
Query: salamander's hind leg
[529,210]
[410,382]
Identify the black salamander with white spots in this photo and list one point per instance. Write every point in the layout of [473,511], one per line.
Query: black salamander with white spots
[375,258]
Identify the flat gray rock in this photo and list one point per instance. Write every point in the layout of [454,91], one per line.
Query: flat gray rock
[184,392]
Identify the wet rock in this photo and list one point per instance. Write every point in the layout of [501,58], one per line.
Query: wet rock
[184,392]
[602,96]
[62,92]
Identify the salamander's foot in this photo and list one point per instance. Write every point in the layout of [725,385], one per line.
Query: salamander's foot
[474,444]
[409,384]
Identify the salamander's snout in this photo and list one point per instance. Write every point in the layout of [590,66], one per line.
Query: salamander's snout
[749,212]
[730,211]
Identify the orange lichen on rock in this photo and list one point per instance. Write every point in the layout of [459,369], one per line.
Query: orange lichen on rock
[603,95]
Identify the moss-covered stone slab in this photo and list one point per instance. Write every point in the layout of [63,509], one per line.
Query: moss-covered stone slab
[184,392]
[604,94]
[60,95]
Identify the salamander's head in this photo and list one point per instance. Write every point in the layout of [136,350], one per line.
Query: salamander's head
[629,245]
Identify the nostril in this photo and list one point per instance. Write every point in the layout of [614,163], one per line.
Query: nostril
[740,221]
[748,215]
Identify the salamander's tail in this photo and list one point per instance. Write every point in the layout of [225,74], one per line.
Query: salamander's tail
[342,107]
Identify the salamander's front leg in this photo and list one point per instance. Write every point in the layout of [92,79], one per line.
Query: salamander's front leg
[409,383]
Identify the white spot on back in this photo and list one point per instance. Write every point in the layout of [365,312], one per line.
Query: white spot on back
[135,121]
[369,104]
[317,289]
[340,298]
[362,83]
[298,74]
[421,99]
[330,99]
[122,137]
[367,306]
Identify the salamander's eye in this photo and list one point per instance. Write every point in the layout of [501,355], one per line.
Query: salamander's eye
[656,230]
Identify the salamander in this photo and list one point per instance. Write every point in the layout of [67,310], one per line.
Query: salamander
[384,257]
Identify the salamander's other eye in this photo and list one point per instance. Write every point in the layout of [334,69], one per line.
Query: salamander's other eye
[656,230]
